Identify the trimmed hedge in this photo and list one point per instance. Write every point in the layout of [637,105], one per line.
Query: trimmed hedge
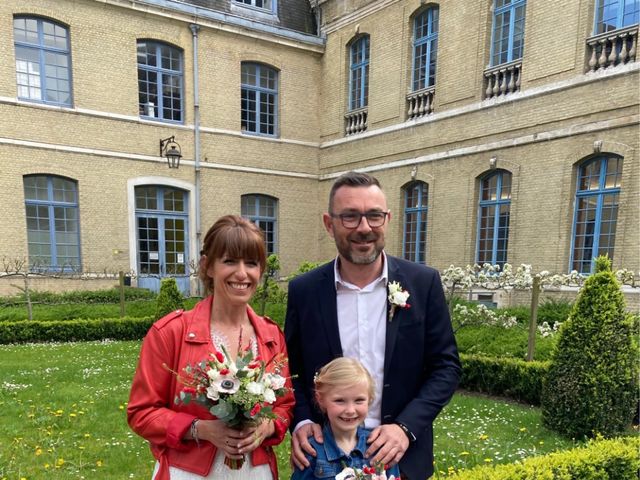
[111,295]
[126,328]
[169,299]
[506,377]
[615,459]
[592,386]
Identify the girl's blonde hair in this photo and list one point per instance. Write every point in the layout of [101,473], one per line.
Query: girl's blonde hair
[343,372]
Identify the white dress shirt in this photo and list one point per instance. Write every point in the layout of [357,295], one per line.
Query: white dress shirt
[362,322]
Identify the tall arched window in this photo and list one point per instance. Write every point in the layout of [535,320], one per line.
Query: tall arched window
[162,232]
[259,99]
[596,210]
[263,211]
[53,231]
[615,14]
[493,218]
[160,81]
[43,60]
[414,243]
[507,42]
[425,48]
[359,73]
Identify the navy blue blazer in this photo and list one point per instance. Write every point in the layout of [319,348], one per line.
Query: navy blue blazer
[421,366]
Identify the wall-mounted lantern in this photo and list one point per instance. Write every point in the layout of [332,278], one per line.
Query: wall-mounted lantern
[170,149]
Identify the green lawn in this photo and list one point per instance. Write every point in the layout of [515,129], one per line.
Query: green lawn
[63,409]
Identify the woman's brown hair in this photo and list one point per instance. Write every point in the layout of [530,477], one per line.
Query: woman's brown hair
[235,237]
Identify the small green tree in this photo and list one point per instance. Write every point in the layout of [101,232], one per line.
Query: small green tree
[269,291]
[592,384]
[169,298]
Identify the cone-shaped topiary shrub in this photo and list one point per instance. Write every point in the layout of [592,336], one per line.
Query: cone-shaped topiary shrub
[592,384]
[169,298]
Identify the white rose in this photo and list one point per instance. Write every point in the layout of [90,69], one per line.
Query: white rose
[255,388]
[269,396]
[400,298]
[275,381]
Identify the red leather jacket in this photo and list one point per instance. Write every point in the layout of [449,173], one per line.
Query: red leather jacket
[172,342]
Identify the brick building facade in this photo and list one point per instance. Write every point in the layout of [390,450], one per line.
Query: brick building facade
[501,130]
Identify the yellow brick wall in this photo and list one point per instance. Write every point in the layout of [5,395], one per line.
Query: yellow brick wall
[538,134]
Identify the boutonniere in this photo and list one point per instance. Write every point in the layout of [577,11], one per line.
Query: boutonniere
[397,298]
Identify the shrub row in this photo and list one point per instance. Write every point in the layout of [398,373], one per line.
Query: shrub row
[111,295]
[615,459]
[126,328]
[492,341]
[506,377]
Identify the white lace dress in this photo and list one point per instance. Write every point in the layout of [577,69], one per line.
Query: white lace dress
[220,471]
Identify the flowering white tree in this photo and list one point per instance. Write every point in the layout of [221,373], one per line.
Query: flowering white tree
[493,277]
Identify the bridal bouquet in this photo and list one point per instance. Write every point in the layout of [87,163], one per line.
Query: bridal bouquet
[239,392]
[364,473]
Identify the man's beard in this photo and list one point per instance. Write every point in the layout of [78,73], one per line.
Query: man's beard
[346,251]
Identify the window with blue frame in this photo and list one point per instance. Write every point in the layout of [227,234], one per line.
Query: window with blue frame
[43,60]
[359,73]
[615,14]
[425,48]
[53,233]
[263,211]
[507,42]
[493,218]
[160,81]
[259,99]
[414,244]
[260,4]
[596,211]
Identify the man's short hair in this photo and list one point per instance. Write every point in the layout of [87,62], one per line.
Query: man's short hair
[352,179]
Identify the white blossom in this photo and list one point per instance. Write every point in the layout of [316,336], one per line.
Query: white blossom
[255,388]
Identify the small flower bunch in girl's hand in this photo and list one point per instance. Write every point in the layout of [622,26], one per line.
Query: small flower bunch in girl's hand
[397,298]
[365,473]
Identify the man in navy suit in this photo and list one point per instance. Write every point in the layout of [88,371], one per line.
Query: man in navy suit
[342,309]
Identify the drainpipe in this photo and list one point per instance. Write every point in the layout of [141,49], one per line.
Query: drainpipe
[196,145]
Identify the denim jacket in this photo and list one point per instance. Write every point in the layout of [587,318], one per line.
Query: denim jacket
[330,460]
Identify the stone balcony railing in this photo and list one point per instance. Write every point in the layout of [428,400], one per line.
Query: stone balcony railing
[502,79]
[612,48]
[420,102]
[355,121]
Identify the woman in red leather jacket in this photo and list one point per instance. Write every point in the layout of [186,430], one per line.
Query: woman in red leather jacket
[232,263]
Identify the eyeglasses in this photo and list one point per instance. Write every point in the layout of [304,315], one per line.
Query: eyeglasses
[352,220]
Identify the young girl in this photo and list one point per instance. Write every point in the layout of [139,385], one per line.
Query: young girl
[344,390]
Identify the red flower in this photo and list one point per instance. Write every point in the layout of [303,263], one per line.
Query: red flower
[224,371]
[219,357]
[189,390]
[255,410]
